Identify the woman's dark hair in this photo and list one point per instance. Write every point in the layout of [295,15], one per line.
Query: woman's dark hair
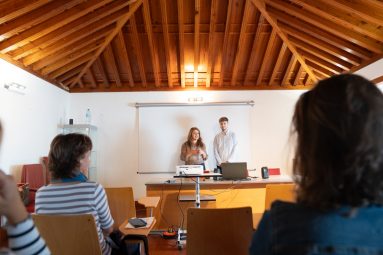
[65,154]
[339,153]
[199,141]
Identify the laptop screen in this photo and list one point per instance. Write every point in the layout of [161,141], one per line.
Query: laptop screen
[234,170]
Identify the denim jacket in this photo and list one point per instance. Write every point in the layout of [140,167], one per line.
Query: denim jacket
[292,229]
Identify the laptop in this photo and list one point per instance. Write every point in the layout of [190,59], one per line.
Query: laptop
[234,171]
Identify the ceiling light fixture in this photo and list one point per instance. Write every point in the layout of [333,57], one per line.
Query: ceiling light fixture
[15,87]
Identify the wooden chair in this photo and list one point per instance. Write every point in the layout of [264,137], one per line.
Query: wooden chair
[219,231]
[33,175]
[284,192]
[122,207]
[69,234]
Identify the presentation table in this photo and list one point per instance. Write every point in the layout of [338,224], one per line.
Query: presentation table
[172,212]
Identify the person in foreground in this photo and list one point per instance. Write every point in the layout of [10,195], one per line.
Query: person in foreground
[338,170]
[23,236]
[193,151]
[69,191]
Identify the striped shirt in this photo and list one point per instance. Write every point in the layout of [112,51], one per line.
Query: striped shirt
[77,198]
[24,239]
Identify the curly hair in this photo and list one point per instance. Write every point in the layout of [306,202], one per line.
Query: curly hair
[339,150]
[65,154]
[199,141]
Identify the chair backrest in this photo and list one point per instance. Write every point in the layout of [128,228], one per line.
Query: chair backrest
[219,230]
[121,204]
[33,174]
[274,171]
[69,234]
[284,192]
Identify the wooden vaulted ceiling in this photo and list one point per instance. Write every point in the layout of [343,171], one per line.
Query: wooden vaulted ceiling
[142,45]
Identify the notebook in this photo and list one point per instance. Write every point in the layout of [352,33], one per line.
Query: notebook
[234,171]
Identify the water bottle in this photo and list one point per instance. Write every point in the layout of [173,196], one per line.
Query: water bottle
[88,116]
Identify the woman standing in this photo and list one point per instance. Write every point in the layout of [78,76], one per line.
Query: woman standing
[193,151]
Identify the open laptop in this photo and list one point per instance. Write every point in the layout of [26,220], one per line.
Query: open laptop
[234,171]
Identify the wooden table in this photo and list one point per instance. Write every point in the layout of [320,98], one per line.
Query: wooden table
[171,212]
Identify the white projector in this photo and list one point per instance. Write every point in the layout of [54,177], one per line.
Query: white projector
[189,169]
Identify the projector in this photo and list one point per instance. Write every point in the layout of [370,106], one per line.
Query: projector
[189,169]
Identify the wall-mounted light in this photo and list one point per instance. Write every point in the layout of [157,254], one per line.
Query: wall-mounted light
[15,87]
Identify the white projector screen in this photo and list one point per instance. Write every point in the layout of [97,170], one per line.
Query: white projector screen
[162,130]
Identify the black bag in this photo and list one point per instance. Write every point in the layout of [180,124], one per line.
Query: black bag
[120,246]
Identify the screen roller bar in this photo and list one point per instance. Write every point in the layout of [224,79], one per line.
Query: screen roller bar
[249,103]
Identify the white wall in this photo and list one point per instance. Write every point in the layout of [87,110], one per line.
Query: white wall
[116,118]
[30,121]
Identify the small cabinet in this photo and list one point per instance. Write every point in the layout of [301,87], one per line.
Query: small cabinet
[90,131]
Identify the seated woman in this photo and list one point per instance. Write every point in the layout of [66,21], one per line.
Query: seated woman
[338,170]
[69,191]
[193,151]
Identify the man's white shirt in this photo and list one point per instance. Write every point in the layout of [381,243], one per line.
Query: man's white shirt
[225,144]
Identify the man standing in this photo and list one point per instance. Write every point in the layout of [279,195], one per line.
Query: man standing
[225,143]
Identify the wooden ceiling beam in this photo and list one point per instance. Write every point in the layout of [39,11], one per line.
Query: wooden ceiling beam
[71,65]
[298,76]
[124,56]
[328,26]
[281,54]
[260,4]
[373,14]
[79,28]
[211,54]
[67,60]
[266,57]
[286,77]
[338,16]
[378,79]
[241,42]
[89,73]
[55,23]
[35,17]
[138,50]
[89,42]
[254,49]
[326,73]
[164,17]
[10,10]
[81,83]
[111,60]
[321,54]
[100,65]
[196,40]
[314,32]
[64,77]
[225,42]
[119,25]
[181,39]
[323,63]
[152,45]
[294,34]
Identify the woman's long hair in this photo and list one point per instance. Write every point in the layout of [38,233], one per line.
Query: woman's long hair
[339,151]
[199,143]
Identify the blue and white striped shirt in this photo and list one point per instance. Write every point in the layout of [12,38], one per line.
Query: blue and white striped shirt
[77,198]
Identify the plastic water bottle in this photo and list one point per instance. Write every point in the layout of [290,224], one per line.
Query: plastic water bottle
[88,116]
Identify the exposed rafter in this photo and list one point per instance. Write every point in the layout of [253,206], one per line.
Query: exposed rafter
[260,4]
[121,22]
